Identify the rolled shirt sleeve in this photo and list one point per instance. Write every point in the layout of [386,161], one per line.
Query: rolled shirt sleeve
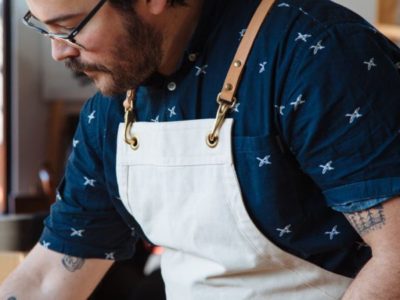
[83,221]
[342,115]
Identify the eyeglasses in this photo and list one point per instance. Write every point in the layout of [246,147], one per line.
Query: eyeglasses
[69,38]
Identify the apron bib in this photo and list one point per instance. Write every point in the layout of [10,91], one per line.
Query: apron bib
[187,199]
[179,182]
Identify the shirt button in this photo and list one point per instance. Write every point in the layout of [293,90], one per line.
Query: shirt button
[192,57]
[171,86]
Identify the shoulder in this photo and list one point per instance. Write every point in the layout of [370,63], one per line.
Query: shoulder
[97,115]
[313,34]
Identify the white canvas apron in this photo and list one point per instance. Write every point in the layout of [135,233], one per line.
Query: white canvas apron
[186,197]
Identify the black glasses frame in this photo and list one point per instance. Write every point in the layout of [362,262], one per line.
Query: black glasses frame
[69,37]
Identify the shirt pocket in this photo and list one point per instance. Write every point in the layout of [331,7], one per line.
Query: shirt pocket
[270,180]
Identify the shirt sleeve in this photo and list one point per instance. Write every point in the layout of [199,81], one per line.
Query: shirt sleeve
[340,115]
[83,222]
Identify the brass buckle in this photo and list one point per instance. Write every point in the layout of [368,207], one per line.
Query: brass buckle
[130,118]
[224,107]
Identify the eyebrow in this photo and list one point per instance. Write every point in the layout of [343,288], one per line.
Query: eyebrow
[59,19]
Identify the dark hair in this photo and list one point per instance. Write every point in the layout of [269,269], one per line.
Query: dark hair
[126,4]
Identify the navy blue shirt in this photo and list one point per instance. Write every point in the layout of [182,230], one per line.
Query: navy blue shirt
[316,132]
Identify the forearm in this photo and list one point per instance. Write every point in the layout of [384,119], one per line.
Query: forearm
[49,275]
[19,286]
[378,280]
[26,283]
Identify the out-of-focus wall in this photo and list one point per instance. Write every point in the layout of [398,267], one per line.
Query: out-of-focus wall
[29,112]
[366,8]
[36,82]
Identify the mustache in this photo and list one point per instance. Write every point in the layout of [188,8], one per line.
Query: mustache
[78,66]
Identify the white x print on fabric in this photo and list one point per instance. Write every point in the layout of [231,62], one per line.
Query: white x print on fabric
[262,67]
[89,182]
[201,70]
[58,197]
[77,232]
[172,112]
[280,108]
[46,244]
[332,233]
[236,107]
[156,120]
[75,143]
[91,117]
[242,33]
[371,63]
[283,4]
[298,102]
[283,231]
[264,161]
[110,256]
[355,115]
[327,167]
[303,11]
[318,47]
[302,37]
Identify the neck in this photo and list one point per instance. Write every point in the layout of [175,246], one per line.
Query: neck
[182,23]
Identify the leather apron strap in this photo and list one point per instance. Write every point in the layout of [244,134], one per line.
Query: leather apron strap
[226,98]
[236,69]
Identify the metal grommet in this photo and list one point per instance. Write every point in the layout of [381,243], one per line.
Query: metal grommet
[133,143]
[212,141]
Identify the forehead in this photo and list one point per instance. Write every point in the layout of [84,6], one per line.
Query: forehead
[45,9]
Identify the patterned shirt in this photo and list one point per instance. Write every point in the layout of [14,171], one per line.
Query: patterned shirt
[316,132]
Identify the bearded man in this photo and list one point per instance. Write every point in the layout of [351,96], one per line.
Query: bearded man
[292,193]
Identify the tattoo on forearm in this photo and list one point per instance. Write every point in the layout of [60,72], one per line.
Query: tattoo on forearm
[72,263]
[367,220]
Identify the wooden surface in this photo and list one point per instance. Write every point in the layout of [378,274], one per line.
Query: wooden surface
[3,182]
[389,30]
[388,18]
[388,11]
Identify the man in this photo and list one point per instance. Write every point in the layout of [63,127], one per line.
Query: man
[315,139]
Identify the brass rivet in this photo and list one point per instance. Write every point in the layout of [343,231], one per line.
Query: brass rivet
[228,87]
[237,64]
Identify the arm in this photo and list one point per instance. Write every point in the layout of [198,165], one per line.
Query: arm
[45,274]
[379,227]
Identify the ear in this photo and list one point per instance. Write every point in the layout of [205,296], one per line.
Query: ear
[156,7]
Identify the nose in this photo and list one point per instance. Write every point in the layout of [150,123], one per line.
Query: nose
[61,50]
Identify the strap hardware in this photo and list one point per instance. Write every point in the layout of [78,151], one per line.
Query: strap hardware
[224,107]
[226,98]
[130,118]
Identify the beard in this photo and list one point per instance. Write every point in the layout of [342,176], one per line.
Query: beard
[135,58]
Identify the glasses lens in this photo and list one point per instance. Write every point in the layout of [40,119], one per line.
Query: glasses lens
[45,30]
[37,24]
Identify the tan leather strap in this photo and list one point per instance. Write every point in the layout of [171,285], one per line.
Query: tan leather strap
[236,69]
